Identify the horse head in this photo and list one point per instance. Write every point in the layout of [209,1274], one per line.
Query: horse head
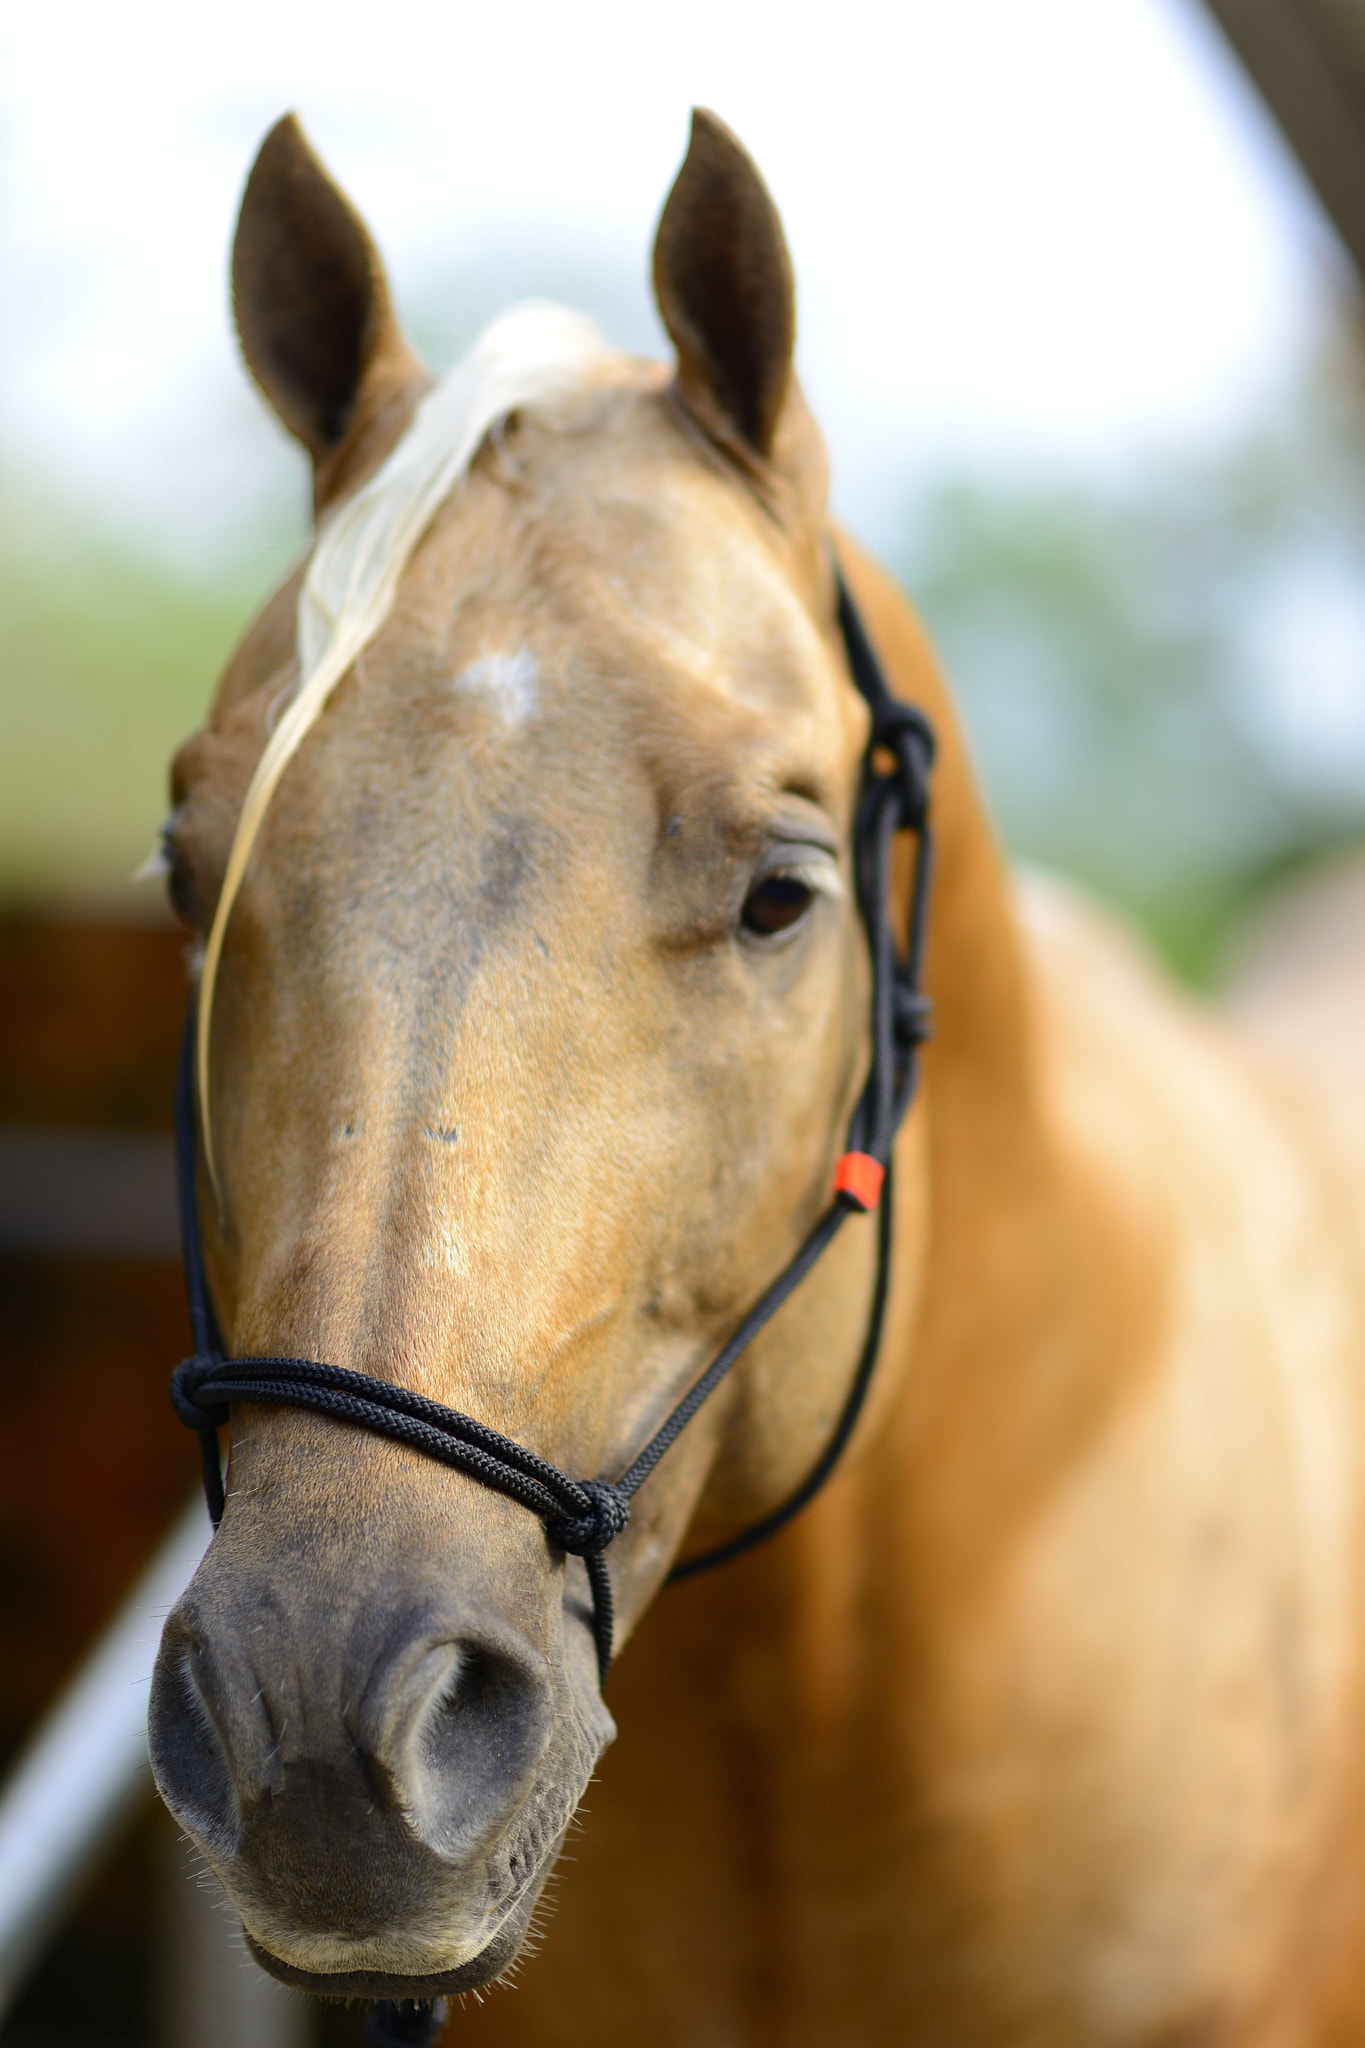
[530,1034]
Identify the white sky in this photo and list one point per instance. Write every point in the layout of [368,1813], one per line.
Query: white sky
[1056,234]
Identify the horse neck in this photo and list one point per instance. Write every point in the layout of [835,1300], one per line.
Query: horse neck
[1035,1304]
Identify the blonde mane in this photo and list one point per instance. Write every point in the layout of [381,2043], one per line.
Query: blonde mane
[530,355]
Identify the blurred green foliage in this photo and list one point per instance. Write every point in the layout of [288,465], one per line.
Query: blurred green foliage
[1164,680]
[107,658]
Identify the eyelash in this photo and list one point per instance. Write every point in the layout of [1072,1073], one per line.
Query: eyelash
[819,878]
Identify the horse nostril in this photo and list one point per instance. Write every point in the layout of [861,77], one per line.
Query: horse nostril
[188,1760]
[475,1746]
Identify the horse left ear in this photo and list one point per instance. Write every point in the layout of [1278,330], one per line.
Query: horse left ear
[312,303]
[723,282]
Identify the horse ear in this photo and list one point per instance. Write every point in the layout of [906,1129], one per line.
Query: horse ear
[310,298]
[723,282]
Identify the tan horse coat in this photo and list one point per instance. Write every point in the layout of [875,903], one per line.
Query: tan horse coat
[1040,1727]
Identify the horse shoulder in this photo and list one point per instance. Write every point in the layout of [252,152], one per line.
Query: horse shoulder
[1297,999]
[1219,1523]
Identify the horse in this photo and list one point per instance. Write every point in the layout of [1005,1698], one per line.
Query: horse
[533,1005]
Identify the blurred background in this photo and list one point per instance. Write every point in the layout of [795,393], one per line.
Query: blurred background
[1079,315]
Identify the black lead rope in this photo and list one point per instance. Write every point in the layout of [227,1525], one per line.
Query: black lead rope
[582,1517]
[405,2022]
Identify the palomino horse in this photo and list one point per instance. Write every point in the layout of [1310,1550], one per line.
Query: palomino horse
[531,1041]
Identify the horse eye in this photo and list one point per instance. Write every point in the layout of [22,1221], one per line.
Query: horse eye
[775,904]
[180,890]
[180,887]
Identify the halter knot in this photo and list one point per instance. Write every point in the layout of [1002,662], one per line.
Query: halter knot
[912,1014]
[588,1535]
[186,1382]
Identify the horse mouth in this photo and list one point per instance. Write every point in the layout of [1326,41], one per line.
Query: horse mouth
[481,1969]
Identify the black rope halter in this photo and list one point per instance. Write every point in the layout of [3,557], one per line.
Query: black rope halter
[583,1517]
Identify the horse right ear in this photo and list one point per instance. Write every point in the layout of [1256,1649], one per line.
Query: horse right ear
[723,282]
[311,300]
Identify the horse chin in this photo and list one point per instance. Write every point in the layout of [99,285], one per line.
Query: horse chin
[490,1962]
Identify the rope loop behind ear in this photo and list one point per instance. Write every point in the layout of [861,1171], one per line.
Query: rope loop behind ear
[588,1535]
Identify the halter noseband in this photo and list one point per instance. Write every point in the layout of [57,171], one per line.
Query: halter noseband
[584,1516]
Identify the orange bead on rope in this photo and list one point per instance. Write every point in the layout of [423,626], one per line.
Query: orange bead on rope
[859,1176]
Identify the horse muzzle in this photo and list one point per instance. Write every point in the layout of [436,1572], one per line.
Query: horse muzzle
[381,1800]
